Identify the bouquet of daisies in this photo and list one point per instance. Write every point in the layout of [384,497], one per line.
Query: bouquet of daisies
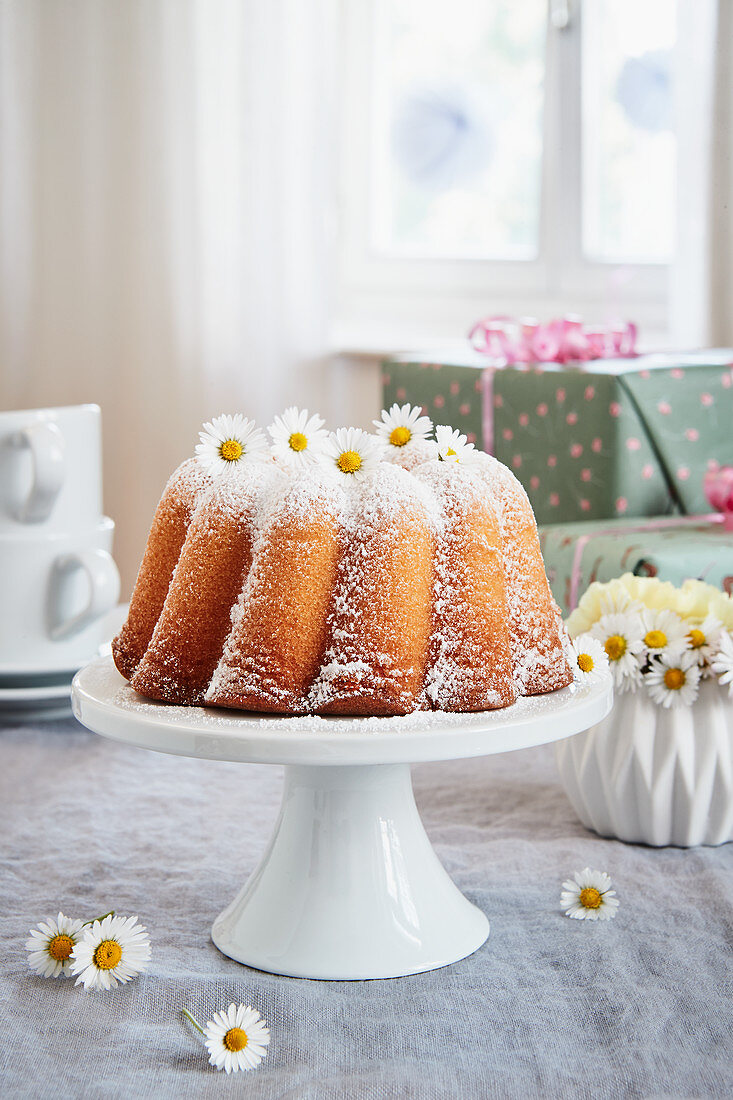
[658,637]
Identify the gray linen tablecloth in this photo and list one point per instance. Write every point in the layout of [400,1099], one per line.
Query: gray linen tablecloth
[639,1006]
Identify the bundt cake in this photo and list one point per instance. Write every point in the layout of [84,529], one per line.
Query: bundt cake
[342,574]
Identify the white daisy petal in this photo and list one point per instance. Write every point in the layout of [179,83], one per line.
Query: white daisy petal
[110,952]
[351,454]
[588,660]
[229,441]
[236,1038]
[674,681]
[454,447]
[403,426]
[297,438]
[722,660]
[51,945]
[589,896]
[620,634]
[664,633]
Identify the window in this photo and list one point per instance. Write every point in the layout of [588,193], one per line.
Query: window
[504,157]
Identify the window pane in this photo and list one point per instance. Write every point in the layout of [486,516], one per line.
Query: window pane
[629,147]
[458,127]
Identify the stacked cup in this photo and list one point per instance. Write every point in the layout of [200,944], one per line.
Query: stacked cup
[58,581]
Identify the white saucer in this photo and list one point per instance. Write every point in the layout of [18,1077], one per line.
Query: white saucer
[37,698]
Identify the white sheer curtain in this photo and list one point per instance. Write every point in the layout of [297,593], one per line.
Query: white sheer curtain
[701,298]
[166,191]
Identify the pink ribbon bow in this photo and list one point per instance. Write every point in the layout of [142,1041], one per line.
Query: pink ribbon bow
[508,340]
[718,486]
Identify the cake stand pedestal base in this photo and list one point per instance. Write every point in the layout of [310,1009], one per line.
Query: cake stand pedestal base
[349,886]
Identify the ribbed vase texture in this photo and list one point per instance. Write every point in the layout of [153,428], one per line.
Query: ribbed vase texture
[655,776]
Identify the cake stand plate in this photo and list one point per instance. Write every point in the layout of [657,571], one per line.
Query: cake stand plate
[349,886]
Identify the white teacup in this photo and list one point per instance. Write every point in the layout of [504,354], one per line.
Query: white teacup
[50,469]
[54,593]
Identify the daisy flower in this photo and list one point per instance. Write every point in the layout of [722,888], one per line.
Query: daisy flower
[620,634]
[722,662]
[110,952]
[588,896]
[664,634]
[588,659]
[51,944]
[352,453]
[704,639]
[404,425]
[228,441]
[296,437]
[674,681]
[235,1039]
[452,446]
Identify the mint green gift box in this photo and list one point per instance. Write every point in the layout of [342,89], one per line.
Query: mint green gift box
[671,548]
[592,441]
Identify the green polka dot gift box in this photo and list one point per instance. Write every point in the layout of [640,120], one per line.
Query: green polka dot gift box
[671,548]
[611,438]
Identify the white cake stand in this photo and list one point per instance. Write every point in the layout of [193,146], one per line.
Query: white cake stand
[349,886]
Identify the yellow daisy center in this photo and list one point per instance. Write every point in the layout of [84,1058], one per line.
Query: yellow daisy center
[674,679]
[590,898]
[298,442]
[400,436]
[697,638]
[655,639]
[615,647]
[231,450]
[585,662]
[349,462]
[107,955]
[60,947]
[235,1039]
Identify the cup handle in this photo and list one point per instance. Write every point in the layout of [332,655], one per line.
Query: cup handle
[46,444]
[104,590]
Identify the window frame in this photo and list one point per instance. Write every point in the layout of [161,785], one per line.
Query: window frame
[381,298]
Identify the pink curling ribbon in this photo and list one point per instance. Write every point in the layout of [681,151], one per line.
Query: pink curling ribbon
[718,486]
[509,341]
[637,529]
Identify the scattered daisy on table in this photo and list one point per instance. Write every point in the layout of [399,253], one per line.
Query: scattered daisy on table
[50,946]
[110,952]
[588,896]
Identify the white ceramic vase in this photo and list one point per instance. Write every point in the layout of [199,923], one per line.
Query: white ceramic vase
[650,775]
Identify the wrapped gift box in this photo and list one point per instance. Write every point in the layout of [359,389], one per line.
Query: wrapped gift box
[605,438]
[672,548]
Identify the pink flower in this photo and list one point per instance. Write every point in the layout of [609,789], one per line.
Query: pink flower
[718,485]
[633,443]
[517,461]
[478,386]
[560,395]
[552,460]
[523,419]
[707,399]
[498,401]
[677,373]
[470,437]
[508,433]
[614,408]
[401,393]
[386,379]
[465,409]
[590,392]
[572,418]
[596,445]
[554,500]
[692,434]
[683,473]
[584,504]
[647,471]
[664,408]
[576,450]
[727,381]
[542,409]
[455,388]
[644,374]
[585,474]
[439,401]
[534,482]
[621,505]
